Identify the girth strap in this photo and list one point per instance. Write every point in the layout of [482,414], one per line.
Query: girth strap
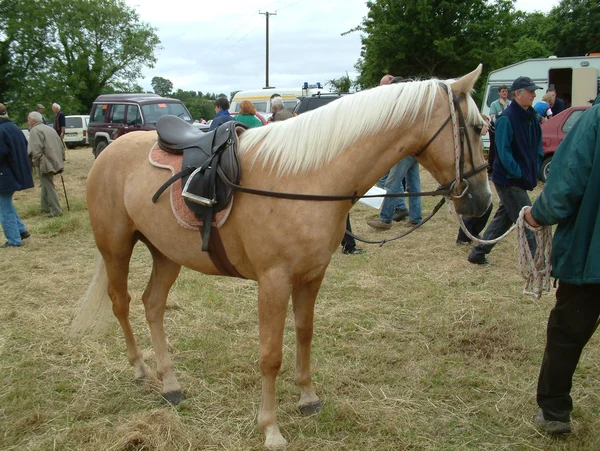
[219,257]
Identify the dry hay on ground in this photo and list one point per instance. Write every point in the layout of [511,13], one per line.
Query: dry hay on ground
[414,348]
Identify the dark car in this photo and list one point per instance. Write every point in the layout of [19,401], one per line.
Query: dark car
[114,115]
[554,131]
[315,101]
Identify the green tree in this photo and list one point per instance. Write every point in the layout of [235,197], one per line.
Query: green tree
[98,47]
[23,44]
[342,84]
[162,86]
[196,104]
[574,28]
[445,39]
[100,44]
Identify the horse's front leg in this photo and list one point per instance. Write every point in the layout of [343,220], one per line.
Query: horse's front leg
[273,297]
[303,299]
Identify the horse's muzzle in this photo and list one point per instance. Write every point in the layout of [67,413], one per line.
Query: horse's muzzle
[475,200]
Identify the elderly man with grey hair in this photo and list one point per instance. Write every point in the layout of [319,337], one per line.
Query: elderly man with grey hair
[60,121]
[279,112]
[48,154]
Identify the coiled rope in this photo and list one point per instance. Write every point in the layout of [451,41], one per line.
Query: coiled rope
[535,270]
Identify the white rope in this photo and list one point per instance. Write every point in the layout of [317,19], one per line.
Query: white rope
[536,271]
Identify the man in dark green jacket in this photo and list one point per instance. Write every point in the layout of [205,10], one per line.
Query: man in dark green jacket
[571,199]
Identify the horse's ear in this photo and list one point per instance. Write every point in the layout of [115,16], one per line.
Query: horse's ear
[466,83]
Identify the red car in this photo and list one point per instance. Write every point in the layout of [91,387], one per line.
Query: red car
[554,131]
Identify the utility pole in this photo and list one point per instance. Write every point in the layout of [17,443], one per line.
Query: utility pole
[267,14]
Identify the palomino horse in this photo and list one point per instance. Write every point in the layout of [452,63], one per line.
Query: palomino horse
[285,245]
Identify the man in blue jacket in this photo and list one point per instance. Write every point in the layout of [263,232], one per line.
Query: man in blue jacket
[571,199]
[222,110]
[15,175]
[516,166]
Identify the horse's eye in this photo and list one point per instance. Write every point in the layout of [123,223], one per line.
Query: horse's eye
[478,129]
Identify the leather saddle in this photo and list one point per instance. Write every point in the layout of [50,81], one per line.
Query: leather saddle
[207,159]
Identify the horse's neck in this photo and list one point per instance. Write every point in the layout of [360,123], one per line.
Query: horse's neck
[360,166]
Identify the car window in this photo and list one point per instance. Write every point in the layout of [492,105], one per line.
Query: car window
[74,122]
[117,114]
[154,111]
[571,120]
[133,115]
[99,113]
[260,106]
[290,105]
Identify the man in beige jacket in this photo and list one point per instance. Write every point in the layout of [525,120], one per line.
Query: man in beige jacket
[48,154]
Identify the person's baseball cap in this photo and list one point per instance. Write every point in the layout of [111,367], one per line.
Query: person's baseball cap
[524,83]
[3,113]
[39,105]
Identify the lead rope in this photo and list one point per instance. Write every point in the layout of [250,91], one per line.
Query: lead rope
[536,271]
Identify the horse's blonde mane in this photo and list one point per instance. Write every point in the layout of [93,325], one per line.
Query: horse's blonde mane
[315,138]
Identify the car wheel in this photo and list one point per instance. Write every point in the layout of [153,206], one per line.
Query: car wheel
[100,146]
[545,169]
[70,146]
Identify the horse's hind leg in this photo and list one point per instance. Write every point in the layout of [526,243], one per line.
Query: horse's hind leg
[117,259]
[303,299]
[164,274]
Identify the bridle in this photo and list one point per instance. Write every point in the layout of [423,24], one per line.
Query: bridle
[460,135]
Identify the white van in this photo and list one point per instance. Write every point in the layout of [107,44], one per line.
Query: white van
[260,98]
[576,80]
[76,131]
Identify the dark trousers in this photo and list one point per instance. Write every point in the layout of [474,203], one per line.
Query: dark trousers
[348,243]
[474,225]
[571,324]
[512,200]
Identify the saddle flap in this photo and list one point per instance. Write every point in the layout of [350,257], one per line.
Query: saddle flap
[204,188]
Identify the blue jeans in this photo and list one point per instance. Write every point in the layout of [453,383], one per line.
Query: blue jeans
[399,203]
[11,223]
[512,200]
[409,168]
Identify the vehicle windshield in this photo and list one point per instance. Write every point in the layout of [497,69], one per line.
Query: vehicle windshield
[74,122]
[154,111]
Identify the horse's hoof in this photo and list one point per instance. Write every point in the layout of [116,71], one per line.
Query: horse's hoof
[312,408]
[275,442]
[173,397]
[141,378]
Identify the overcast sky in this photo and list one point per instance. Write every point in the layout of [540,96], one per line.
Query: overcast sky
[219,46]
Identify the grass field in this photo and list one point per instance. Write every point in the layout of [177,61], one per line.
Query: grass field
[414,349]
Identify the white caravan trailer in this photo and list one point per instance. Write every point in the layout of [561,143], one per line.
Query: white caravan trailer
[574,78]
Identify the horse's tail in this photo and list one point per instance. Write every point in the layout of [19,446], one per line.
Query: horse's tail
[95,307]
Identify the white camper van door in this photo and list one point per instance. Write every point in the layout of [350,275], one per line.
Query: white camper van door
[585,86]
